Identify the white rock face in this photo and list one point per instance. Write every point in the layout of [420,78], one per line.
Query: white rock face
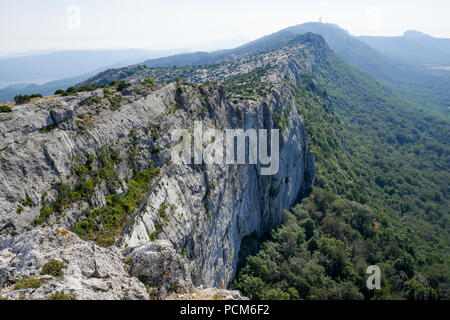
[209,209]
[212,208]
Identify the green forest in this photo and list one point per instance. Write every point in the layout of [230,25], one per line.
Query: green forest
[380,198]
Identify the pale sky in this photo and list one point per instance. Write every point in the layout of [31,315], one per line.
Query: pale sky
[33,25]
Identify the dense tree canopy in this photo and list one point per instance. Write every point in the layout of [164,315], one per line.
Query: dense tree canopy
[381,197]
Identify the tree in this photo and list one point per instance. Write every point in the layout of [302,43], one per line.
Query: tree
[313,245]
[252,287]
[345,291]
[20,99]
[309,228]
[417,289]
[71,90]
[5,109]
[149,81]
[122,85]
[276,294]
[405,264]
[293,294]
[335,257]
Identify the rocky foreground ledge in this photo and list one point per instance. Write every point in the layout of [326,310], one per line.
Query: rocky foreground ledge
[53,263]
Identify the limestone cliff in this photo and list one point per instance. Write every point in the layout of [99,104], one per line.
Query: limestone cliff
[74,162]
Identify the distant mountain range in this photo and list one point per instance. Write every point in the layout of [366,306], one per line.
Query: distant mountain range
[413,47]
[407,67]
[67,64]
[44,73]
[46,89]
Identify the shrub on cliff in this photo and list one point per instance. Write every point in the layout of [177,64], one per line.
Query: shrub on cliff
[20,99]
[5,109]
[53,268]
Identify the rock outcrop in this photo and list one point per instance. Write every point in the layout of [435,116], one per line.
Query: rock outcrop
[90,272]
[158,263]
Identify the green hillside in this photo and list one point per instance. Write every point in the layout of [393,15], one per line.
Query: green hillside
[408,76]
[381,197]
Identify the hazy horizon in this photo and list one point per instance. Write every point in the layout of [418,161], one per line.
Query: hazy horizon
[28,26]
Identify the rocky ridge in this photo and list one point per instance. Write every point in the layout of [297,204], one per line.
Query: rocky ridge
[201,212]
